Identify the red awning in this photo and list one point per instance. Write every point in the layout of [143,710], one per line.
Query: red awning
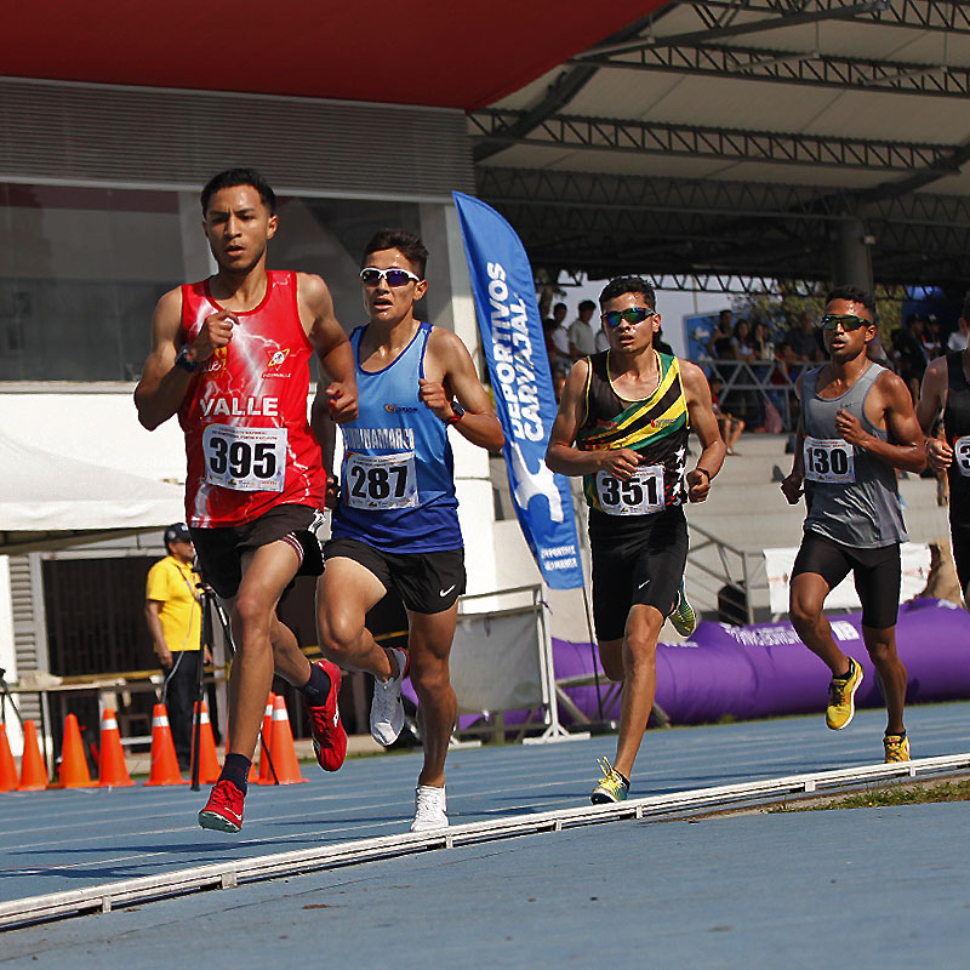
[433,53]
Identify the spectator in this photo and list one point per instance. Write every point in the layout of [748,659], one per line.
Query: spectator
[720,346]
[783,375]
[581,333]
[760,342]
[804,339]
[729,426]
[908,347]
[561,355]
[960,338]
[741,341]
[174,618]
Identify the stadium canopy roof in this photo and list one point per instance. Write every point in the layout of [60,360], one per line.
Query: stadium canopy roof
[757,138]
[697,142]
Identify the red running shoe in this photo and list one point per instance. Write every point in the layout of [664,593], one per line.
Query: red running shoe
[329,736]
[224,810]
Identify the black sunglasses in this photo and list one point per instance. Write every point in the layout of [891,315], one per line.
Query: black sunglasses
[848,321]
[371,275]
[633,316]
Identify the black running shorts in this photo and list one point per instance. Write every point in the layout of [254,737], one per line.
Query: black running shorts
[220,551]
[636,560]
[427,582]
[877,574]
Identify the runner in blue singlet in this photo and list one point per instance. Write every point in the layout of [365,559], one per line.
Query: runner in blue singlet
[395,526]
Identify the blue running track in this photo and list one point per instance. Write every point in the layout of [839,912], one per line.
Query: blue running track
[886,888]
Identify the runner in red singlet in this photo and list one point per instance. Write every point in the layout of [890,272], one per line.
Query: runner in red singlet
[230,356]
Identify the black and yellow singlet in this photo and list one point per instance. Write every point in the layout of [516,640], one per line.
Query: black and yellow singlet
[657,427]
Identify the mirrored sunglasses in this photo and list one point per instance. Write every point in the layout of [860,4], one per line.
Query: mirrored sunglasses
[371,275]
[633,316]
[848,322]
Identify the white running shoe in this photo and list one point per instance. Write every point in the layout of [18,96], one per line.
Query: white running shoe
[429,809]
[386,709]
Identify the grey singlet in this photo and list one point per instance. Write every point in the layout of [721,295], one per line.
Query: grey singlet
[865,513]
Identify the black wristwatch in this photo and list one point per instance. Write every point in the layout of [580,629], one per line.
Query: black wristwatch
[459,412]
[182,360]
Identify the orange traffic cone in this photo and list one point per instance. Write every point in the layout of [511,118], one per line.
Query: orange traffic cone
[74,765]
[112,771]
[208,758]
[281,747]
[266,776]
[33,772]
[165,766]
[8,770]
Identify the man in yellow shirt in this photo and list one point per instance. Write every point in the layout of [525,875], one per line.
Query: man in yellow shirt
[174,617]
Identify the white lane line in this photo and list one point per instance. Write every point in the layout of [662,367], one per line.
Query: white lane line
[230,873]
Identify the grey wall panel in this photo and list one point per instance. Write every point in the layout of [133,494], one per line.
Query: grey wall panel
[106,134]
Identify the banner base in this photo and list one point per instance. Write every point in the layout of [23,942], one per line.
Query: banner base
[556,733]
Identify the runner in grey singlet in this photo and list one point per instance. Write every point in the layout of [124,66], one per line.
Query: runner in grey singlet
[851,495]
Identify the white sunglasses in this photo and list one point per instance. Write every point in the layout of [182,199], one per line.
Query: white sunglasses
[370,276]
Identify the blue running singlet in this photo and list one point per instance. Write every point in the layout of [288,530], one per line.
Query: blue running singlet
[397,480]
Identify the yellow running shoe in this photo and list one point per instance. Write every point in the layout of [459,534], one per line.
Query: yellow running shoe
[613,787]
[897,748]
[842,690]
[683,617]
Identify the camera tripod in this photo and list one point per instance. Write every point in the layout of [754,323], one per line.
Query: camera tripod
[6,697]
[210,605]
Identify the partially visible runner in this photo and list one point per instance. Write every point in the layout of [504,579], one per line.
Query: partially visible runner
[946,388]
[623,424]
[857,427]
[396,524]
[230,355]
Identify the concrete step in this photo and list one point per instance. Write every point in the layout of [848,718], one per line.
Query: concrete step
[753,532]
[759,498]
[767,527]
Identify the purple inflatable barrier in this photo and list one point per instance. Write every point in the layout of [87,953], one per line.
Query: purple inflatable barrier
[764,670]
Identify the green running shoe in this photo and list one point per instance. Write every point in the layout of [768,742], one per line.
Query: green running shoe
[683,617]
[612,787]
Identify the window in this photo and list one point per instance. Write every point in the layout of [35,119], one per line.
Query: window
[80,272]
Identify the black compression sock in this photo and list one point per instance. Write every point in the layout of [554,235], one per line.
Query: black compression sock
[848,673]
[236,769]
[317,689]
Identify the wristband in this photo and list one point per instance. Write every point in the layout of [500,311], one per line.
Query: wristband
[704,471]
[182,360]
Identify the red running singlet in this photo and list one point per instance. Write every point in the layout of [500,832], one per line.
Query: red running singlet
[248,442]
